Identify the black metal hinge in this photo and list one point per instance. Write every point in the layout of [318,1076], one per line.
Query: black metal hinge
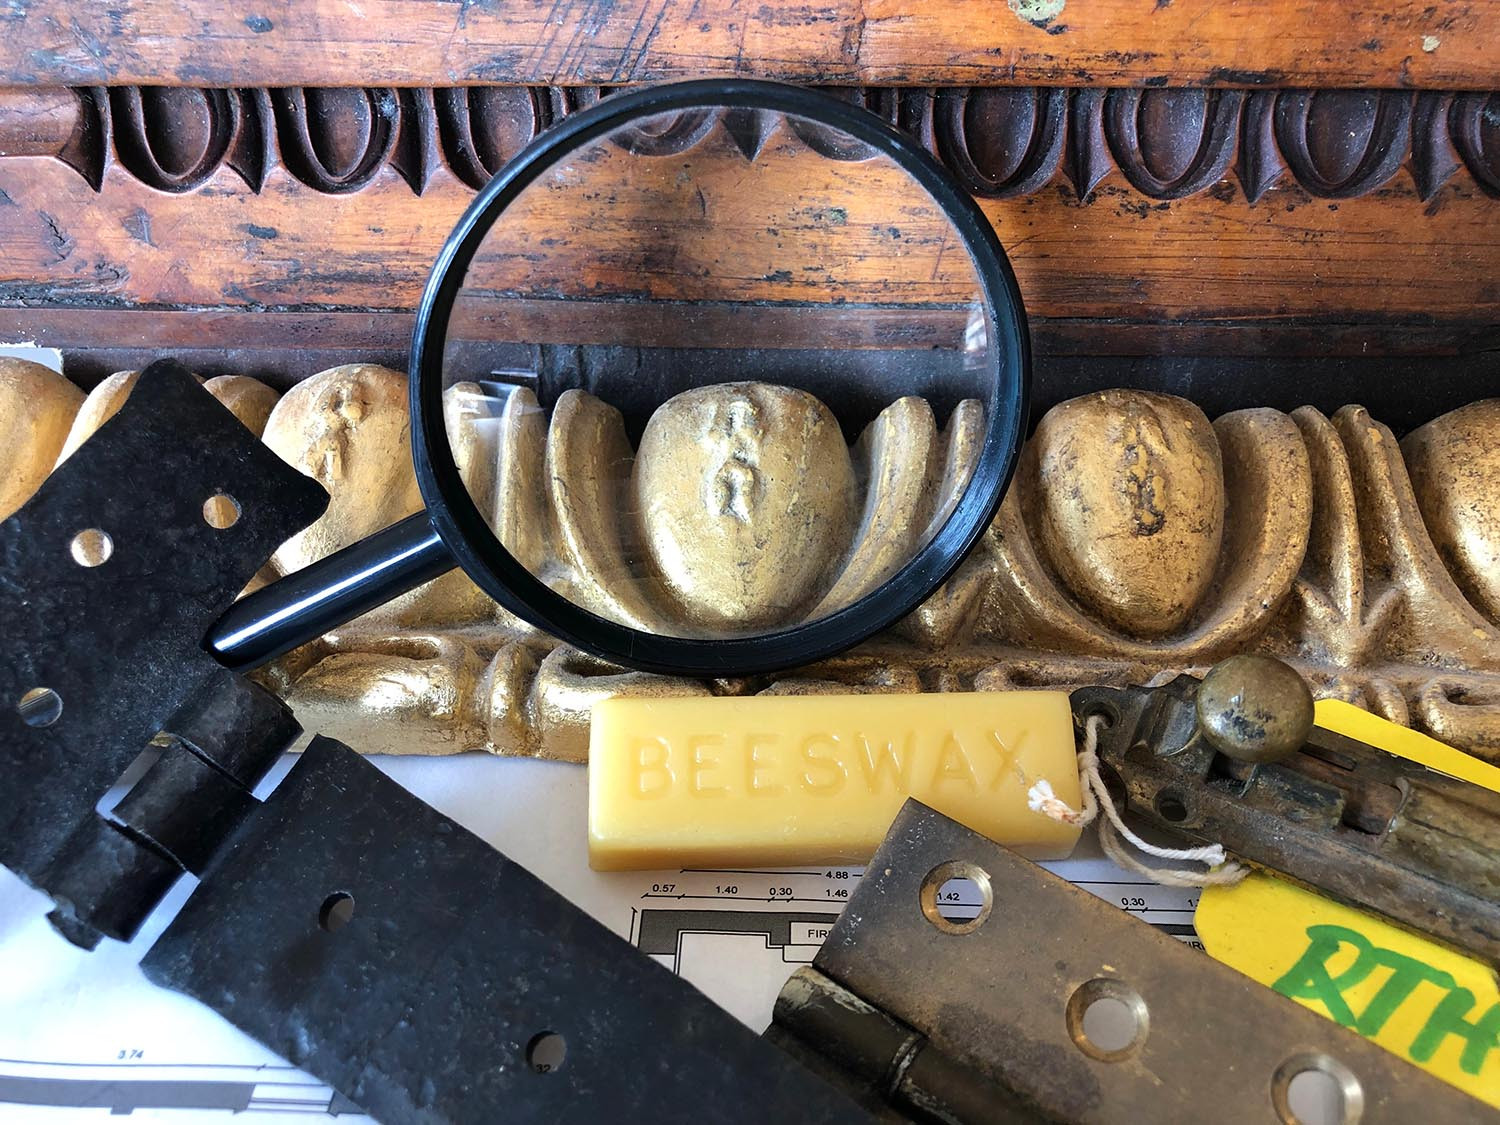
[343,922]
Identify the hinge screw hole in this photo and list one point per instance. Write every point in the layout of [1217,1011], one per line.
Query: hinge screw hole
[956,897]
[1171,807]
[546,1052]
[1107,1019]
[91,547]
[221,511]
[40,707]
[1316,1089]
[336,912]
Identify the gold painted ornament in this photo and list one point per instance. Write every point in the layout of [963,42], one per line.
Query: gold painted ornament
[1137,541]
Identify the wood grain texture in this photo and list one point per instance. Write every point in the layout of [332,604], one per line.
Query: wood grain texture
[37,121]
[1433,44]
[1205,257]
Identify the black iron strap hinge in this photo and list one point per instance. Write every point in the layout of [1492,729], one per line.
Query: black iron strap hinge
[177,816]
[341,921]
[107,579]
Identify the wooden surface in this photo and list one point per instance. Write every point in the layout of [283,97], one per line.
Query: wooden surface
[1127,206]
[294,342]
[1167,142]
[1432,44]
[1170,179]
[1382,256]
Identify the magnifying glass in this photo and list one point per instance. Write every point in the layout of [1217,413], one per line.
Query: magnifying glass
[712,379]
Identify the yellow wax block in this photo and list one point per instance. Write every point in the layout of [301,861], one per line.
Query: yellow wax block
[818,779]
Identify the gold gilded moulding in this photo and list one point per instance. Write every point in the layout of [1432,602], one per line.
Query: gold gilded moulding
[1137,541]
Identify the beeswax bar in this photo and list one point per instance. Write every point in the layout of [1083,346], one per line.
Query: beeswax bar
[771,780]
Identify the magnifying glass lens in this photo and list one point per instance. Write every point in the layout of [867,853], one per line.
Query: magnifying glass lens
[718,373]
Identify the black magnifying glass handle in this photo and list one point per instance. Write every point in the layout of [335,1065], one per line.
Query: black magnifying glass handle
[326,594]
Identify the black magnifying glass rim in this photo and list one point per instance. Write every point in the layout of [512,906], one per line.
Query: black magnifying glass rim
[476,548]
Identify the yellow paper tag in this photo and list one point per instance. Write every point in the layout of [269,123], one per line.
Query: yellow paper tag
[1417,998]
[1357,723]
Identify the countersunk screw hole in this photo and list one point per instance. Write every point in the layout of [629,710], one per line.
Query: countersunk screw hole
[336,912]
[1171,807]
[221,511]
[91,547]
[1107,1019]
[1316,1089]
[546,1052]
[956,896]
[40,707]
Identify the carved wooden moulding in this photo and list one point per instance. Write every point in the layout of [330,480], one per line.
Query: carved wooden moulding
[1004,142]
[1139,539]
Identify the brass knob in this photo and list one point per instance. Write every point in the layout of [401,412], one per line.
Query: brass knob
[1254,708]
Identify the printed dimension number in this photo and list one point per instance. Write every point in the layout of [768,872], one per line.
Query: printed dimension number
[829,884]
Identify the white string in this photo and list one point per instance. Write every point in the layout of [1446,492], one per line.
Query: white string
[1113,833]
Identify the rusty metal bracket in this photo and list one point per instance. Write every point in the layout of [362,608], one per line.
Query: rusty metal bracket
[991,1018]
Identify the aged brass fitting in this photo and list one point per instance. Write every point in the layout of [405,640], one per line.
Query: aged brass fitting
[1254,708]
